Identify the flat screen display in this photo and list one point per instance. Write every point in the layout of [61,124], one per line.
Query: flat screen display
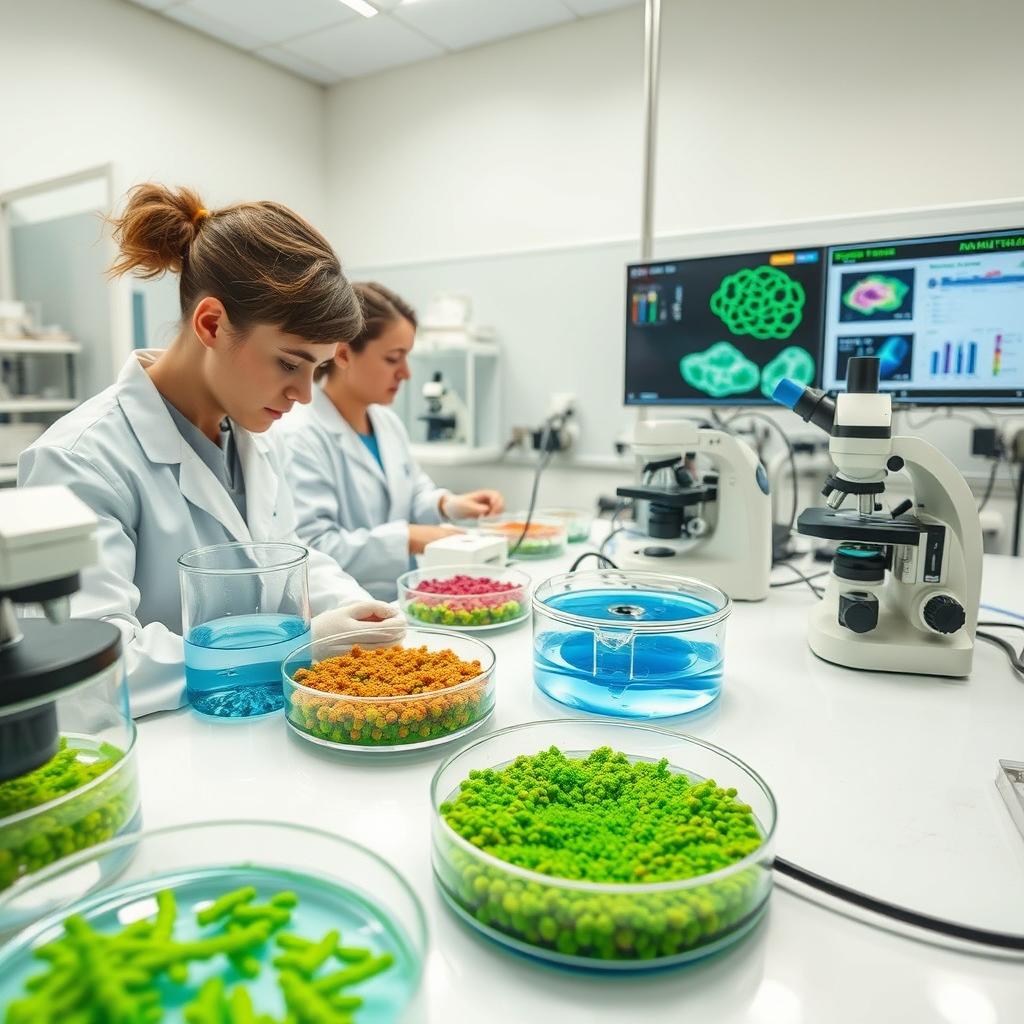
[722,330]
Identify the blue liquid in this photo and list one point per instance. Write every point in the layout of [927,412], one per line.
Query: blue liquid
[233,664]
[651,675]
[321,908]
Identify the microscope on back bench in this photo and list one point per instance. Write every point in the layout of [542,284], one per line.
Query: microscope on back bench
[717,527]
[905,585]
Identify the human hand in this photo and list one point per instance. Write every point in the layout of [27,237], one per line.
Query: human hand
[376,621]
[473,504]
[420,536]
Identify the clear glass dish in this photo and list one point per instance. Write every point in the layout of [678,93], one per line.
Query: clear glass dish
[381,724]
[577,521]
[612,927]
[629,644]
[448,596]
[244,608]
[339,885]
[86,794]
[545,537]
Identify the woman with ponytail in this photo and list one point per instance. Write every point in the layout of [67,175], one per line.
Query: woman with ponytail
[173,455]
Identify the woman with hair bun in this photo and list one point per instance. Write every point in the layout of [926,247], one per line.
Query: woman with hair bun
[359,494]
[172,456]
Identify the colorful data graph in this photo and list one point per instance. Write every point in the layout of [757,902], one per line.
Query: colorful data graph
[645,304]
[961,358]
[649,306]
[956,360]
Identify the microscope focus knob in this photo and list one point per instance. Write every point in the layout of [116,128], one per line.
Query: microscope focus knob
[944,614]
[858,611]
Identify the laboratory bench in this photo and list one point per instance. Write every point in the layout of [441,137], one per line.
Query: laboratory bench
[885,783]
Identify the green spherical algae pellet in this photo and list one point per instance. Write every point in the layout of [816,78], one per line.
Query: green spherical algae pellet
[606,820]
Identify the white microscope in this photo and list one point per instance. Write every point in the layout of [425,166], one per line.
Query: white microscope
[905,585]
[718,528]
[46,540]
[446,416]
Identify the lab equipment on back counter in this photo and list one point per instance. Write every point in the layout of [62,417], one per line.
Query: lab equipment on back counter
[455,365]
[67,741]
[446,416]
[713,526]
[904,589]
[465,549]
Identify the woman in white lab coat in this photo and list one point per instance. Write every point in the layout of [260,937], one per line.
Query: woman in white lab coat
[360,496]
[173,456]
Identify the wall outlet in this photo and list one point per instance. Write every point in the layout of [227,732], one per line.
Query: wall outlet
[561,403]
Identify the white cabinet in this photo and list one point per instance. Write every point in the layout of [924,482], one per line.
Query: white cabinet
[24,364]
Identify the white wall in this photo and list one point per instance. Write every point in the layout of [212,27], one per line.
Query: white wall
[788,112]
[529,142]
[770,112]
[89,82]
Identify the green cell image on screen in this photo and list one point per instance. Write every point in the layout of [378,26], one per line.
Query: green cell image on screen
[876,294]
[764,302]
[719,371]
[793,362]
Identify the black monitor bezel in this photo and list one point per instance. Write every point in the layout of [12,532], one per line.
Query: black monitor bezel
[920,397]
[732,401]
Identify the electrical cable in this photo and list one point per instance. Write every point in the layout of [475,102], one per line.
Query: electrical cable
[1016,660]
[941,926]
[1002,611]
[804,578]
[542,463]
[606,562]
[1019,489]
[989,485]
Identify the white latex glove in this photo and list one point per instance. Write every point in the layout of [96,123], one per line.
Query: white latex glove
[376,622]
[472,504]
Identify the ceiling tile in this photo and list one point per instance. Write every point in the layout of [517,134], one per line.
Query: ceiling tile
[457,24]
[364,45]
[273,20]
[587,7]
[308,69]
[236,35]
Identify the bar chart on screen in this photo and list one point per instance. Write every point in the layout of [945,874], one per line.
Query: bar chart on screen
[981,358]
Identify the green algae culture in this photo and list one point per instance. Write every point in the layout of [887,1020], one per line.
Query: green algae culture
[619,832]
[94,795]
[140,974]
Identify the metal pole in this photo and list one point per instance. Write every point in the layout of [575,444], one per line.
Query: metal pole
[652,59]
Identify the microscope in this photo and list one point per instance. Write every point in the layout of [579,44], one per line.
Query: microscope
[446,414]
[717,527]
[46,539]
[904,589]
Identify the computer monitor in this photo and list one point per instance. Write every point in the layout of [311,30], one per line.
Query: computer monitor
[945,316]
[722,330]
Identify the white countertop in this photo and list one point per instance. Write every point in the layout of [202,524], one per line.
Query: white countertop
[884,783]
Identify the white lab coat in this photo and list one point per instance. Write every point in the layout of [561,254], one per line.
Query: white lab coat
[347,506]
[121,453]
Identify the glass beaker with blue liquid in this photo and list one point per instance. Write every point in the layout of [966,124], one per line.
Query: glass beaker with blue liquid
[629,644]
[244,609]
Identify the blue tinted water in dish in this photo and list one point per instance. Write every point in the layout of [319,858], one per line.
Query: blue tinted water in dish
[233,664]
[610,670]
[322,907]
